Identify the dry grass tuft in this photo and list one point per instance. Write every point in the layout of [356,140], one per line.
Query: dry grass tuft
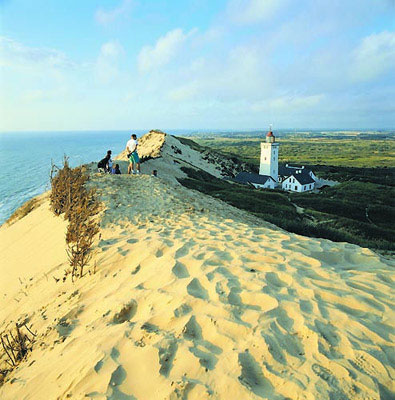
[14,346]
[69,196]
[22,211]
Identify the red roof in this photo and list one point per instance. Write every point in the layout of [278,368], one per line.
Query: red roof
[270,133]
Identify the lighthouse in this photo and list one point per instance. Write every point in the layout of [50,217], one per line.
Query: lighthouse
[269,156]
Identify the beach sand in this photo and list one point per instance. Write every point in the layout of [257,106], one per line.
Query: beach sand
[194,299]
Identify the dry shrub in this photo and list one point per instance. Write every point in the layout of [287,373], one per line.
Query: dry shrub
[80,205]
[65,185]
[14,346]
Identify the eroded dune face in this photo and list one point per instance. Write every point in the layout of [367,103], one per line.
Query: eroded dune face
[167,154]
[193,299]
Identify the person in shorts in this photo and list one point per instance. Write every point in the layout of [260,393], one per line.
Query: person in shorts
[134,159]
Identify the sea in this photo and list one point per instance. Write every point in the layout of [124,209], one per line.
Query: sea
[26,159]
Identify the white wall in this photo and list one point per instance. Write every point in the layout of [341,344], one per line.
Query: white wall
[291,184]
[269,160]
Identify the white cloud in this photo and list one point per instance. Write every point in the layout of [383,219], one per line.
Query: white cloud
[185,92]
[252,11]
[288,103]
[105,17]
[374,56]
[107,65]
[166,47]
[16,55]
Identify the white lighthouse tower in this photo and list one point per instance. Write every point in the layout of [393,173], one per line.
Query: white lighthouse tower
[269,156]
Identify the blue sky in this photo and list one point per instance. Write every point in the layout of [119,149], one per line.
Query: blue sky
[197,64]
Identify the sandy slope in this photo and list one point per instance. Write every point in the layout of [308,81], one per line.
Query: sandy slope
[194,299]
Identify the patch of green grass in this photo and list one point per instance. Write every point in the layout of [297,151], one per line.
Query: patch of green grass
[324,151]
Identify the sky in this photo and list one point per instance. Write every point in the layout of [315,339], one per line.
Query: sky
[197,64]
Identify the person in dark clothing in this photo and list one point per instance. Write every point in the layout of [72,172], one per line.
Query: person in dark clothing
[105,164]
[115,170]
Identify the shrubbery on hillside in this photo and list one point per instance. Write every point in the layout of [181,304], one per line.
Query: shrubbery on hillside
[337,214]
[69,196]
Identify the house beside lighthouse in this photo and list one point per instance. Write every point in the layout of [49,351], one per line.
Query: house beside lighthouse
[271,176]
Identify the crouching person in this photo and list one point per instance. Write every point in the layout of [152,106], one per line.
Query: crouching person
[105,164]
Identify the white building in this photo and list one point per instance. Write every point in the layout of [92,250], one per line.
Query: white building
[288,177]
[298,182]
[258,181]
[269,157]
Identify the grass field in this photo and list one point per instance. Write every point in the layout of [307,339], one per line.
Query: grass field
[337,152]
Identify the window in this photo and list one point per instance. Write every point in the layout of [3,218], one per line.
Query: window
[296,188]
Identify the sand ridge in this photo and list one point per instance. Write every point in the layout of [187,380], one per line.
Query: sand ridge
[194,299]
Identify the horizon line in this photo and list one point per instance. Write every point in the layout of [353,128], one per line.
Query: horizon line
[197,130]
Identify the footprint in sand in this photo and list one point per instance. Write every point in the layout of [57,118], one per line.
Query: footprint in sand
[328,332]
[286,341]
[113,391]
[182,251]
[192,331]
[68,322]
[180,271]
[137,269]
[306,306]
[159,253]
[167,352]
[326,375]
[206,360]
[195,289]
[253,379]
[126,313]
[184,309]
[122,252]
[275,349]
[273,280]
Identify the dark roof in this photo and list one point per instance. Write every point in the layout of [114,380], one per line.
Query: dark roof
[247,177]
[290,170]
[303,179]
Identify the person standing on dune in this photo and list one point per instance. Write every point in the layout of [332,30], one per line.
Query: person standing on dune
[131,149]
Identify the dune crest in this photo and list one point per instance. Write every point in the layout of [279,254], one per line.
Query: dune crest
[168,154]
[194,299]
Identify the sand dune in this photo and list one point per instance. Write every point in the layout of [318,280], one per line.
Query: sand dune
[194,299]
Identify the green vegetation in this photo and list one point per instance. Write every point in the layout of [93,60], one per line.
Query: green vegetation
[336,213]
[359,210]
[336,152]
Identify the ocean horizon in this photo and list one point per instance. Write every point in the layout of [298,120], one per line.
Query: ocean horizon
[26,159]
